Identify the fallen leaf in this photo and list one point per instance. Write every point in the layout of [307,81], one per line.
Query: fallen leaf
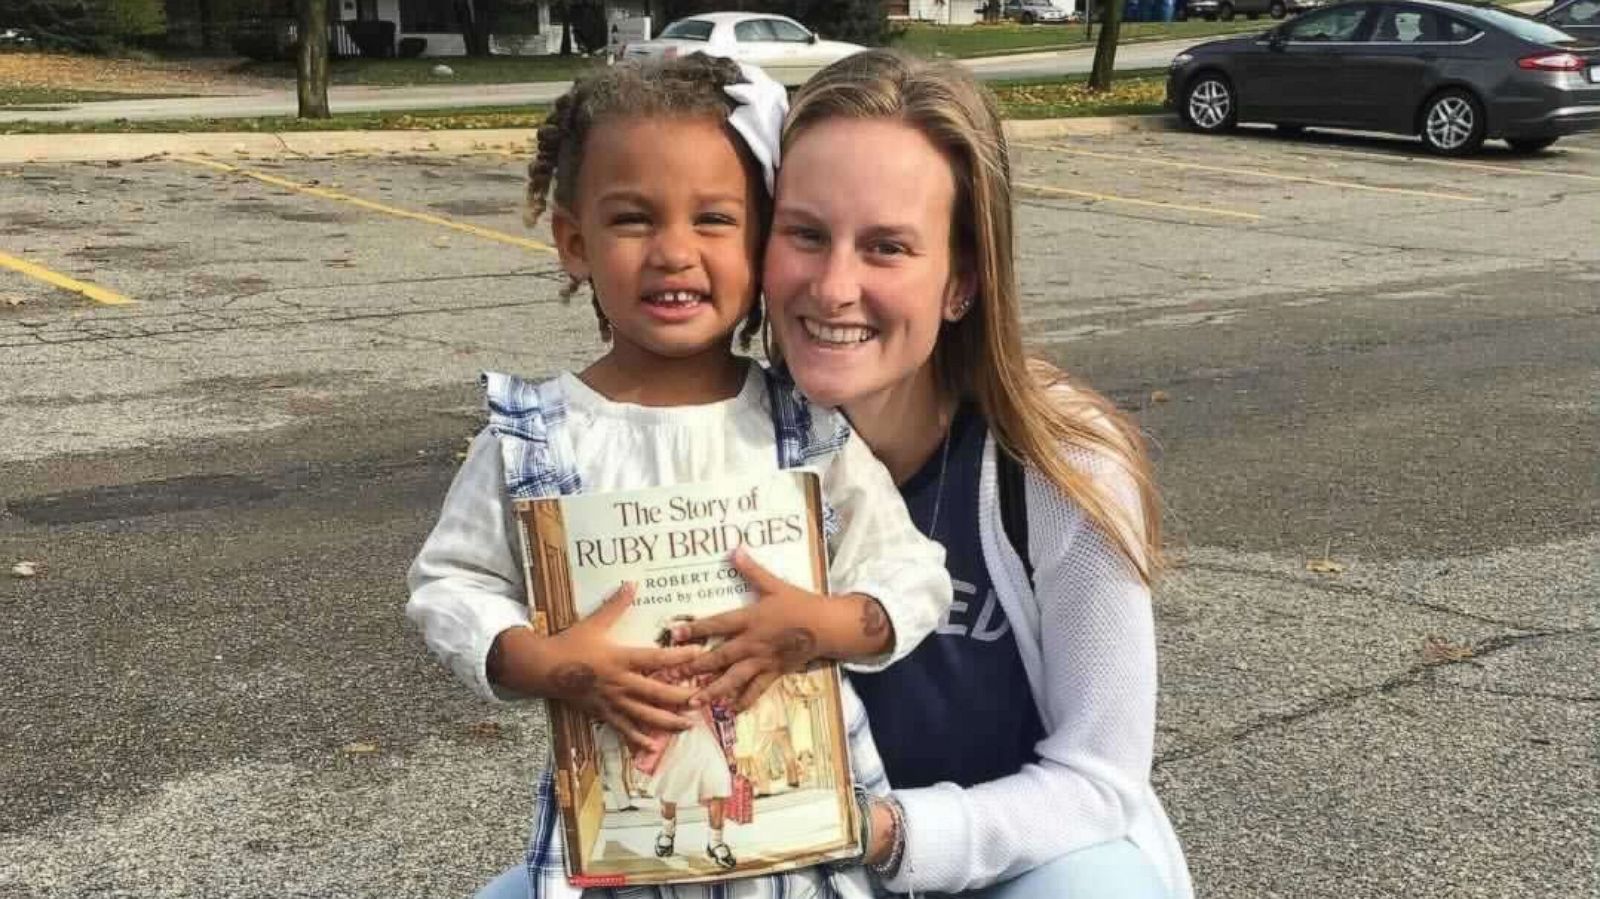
[25,569]
[486,730]
[1438,649]
[1159,396]
[360,748]
[14,302]
[441,241]
[1324,566]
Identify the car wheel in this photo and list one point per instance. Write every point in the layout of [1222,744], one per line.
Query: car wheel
[1277,10]
[1028,18]
[1209,104]
[1225,11]
[1452,123]
[1529,144]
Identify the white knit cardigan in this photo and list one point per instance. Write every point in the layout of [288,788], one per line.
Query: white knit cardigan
[1085,631]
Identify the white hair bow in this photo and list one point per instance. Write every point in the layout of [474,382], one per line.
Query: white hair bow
[758,118]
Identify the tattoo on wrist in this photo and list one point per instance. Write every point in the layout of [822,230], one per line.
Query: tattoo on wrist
[873,619]
[573,679]
[796,646]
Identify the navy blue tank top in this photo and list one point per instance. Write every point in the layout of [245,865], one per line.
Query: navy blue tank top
[958,708]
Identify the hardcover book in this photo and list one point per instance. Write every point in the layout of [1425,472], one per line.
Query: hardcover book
[774,780]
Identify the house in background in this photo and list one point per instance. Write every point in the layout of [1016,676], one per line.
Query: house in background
[438,22]
[938,12]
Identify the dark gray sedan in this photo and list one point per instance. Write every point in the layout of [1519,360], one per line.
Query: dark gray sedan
[1454,73]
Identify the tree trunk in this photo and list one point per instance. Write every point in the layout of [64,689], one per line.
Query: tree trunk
[311,63]
[1105,49]
[474,17]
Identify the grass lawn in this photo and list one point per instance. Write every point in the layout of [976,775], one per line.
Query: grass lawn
[1132,93]
[986,40]
[29,96]
[468,70]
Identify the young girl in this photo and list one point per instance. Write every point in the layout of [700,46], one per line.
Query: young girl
[660,179]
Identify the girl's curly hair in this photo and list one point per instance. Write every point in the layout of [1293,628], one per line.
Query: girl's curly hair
[686,87]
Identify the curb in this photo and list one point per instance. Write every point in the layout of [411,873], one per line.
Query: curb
[25,148]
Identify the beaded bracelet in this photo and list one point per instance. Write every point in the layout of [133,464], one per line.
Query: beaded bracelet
[889,867]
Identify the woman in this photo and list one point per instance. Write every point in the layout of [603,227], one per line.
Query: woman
[1019,737]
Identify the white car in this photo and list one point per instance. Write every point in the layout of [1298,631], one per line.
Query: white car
[780,45]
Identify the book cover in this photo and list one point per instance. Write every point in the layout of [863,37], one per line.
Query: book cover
[776,777]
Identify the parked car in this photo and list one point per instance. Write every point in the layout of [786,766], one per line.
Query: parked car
[1579,18]
[15,37]
[1032,12]
[778,44]
[1227,9]
[1453,73]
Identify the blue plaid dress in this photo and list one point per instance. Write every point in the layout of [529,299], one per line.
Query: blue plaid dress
[537,455]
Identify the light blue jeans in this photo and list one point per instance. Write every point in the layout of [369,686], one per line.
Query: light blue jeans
[1112,870]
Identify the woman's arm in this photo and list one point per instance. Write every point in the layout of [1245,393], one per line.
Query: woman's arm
[1097,643]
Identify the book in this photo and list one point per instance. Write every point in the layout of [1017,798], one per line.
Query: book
[777,776]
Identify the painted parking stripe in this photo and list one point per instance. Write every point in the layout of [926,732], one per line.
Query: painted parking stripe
[1475,166]
[1253,173]
[325,193]
[1134,201]
[56,279]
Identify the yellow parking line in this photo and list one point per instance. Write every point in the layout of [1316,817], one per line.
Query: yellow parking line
[1254,173]
[56,279]
[1113,198]
[1476,166]
[325,193]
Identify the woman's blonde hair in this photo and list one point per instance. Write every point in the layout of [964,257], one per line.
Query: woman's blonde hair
[1030,406]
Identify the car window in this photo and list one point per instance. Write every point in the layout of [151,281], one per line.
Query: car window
[1338,24]
[688,30]
[789,31]
[1519,25]
[753,30]
[1584,12]
[1419,26]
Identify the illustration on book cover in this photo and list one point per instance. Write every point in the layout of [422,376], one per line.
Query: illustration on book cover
[733,795]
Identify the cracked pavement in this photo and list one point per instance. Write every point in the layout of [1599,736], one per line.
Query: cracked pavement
[1341,351]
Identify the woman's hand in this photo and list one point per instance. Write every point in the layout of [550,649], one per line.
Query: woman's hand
[583,667]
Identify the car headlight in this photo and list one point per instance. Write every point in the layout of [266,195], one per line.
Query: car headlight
[1182,59]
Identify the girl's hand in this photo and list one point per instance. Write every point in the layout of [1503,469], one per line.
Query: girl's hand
[764,640]
[583,667]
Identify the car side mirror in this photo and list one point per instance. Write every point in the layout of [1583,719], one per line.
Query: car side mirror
[811,38]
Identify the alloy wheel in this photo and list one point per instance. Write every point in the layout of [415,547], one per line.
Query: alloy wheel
[1210,104]
[1451,122]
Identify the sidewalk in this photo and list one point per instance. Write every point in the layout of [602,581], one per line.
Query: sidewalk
[25,148]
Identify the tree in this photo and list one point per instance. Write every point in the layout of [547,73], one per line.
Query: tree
[311,59]
[1105,48]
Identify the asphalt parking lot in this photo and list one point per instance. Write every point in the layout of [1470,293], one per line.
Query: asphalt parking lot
[232,391]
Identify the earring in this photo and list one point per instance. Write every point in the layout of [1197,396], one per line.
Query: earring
[961,311]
